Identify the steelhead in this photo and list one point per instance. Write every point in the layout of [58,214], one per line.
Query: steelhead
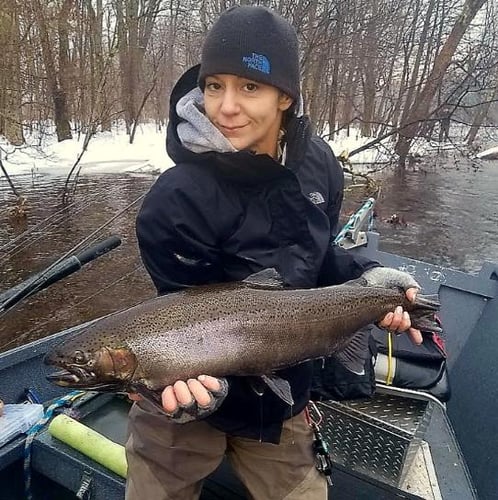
[250,328]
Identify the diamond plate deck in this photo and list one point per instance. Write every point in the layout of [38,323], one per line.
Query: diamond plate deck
[379,436]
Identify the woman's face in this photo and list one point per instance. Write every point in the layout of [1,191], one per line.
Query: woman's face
[247,113]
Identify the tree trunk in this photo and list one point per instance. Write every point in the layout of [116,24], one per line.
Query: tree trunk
[420,109]
[123,49]
[334,87]
[481,115]
[412,86]
[135,25]
[10,80]
[57,93]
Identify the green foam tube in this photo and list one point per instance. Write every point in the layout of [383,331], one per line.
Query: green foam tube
[89,442]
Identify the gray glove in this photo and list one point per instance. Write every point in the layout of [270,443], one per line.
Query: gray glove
[388,277]
[192,411]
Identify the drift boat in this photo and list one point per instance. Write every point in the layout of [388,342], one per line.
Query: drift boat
[399,444]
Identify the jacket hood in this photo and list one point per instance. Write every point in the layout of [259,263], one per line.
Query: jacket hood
[243,166]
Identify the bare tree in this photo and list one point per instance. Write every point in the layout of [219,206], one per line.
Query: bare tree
[51,25]
[86,65]
[421,108]
[135,19]
[10,76]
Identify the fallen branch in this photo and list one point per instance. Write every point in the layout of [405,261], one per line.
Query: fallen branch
[65,193]
[20,210]
[9,180]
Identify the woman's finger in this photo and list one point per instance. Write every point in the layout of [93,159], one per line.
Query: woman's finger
[397,319]
[199,392]
[411,294]
[415,336]
[168,397]
[210,383]
[405,323]
[386,321]
[182,393]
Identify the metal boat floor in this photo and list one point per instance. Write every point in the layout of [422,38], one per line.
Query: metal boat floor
[108,415]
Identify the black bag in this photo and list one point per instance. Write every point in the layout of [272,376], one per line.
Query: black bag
[415,367]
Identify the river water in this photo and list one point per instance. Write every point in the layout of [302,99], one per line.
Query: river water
[447,207]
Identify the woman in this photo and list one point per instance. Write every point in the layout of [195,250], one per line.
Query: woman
[252,188]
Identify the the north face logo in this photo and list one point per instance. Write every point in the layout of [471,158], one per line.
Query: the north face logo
[258,62]
[316,197]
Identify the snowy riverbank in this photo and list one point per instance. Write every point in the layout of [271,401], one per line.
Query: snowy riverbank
[110,152]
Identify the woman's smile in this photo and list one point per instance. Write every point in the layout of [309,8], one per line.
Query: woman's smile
[231,129]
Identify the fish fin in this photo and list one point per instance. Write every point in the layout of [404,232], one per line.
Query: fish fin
[280,387]
[423,314]
[428,302]
[354,355]
[150,395]
[267,278]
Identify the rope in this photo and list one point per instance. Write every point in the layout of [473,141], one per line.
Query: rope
[389,375]
[31,434]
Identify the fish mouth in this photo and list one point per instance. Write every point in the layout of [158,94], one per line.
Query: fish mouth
[75,377]
[78,378]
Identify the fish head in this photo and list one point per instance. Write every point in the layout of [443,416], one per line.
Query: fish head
[101,369]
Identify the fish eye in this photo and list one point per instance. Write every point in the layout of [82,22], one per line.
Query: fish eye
[79,357]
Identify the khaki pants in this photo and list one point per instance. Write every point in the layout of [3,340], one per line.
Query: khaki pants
[168,461]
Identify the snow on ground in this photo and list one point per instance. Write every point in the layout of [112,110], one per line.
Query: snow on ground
[108,152]
[344,142]
[383,152]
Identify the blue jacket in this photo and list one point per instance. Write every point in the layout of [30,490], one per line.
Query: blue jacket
[217,217]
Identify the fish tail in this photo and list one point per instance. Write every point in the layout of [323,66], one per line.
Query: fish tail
[427,302]
[423,315]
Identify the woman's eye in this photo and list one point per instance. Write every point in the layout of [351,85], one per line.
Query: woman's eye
[251,87]
[213,86]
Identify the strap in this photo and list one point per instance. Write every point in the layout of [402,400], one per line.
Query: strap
[66,400]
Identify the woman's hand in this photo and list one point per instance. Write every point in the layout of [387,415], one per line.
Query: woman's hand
[193,399]
[399,320]
[192,392]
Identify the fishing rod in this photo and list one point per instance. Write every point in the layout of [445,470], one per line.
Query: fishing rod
[59,315]
[35,283]
[60,269]
[34,233]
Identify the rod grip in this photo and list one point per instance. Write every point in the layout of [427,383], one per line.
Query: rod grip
[99,249]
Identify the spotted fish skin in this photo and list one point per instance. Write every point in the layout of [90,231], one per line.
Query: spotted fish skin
[221,330]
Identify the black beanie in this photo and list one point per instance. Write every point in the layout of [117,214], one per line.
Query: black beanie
[255,43]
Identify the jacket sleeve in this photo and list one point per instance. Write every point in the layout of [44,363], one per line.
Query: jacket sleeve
[176,235]
[339,265]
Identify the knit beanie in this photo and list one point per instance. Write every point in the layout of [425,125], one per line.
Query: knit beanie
[255,43]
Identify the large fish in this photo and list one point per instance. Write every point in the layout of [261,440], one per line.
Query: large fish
[250,328]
